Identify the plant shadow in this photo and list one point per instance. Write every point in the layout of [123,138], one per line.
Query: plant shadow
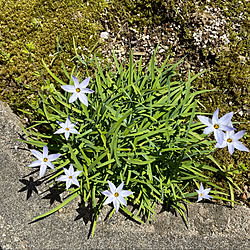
[30,186]
[85,212]
[54,194]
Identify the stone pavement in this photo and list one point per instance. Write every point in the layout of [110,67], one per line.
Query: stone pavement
[212,226]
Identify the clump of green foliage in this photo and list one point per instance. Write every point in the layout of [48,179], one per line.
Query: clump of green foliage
[138,128]
[42,29]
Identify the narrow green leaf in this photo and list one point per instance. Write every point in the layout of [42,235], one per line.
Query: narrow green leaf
[72,197]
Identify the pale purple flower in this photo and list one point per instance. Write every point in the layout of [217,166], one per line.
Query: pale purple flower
[216,125]
[203,193]
[67,128]
[78,90]
[231,140]
[44,160]
[116,195]
[70,177]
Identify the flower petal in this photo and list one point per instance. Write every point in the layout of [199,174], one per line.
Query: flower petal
[226,128]
[63,125]
[45,152]
[68,122]
[62,178]
[85,82]
[75,181]
[120,187]
[229,134]
[125,193]
[35,163]
[42,170]
[122,200]
[239,135]
[199,198]
[109,199]
[106,193]
[208,130]
[73,131]
[67,134]
[73,98]
[72,125]
[53,157]
[89,91]
[48,163]
[116,204]
[112,187]
[230,147]
[201,187]
[68,183]
[226,119]
[206,196]
[71,169]
[205,120]
[240,146]
[37,154]
[219,136]
[69,88]
[76,81]
[206,191]
[60,131]
[83,98]
[223,145]
[67,172]
[76,173]
[215,116]
[230,124]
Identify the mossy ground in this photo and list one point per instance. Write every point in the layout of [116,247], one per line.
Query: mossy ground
[48,28]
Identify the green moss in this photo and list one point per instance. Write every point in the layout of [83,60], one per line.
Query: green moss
[42,23]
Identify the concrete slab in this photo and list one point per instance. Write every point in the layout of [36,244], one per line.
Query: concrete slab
[212,226]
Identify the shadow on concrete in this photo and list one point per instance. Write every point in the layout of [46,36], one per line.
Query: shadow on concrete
[30,186]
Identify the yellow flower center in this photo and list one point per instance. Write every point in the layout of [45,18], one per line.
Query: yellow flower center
[216,126]
[116,194]
[78,90]
[229,140]
[67,129]
[201,194]
[70,177]
[45,159]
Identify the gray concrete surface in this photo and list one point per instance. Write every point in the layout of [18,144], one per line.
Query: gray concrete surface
[211,226]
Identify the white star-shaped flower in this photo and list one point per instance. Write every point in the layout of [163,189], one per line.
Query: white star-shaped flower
[203,193]
[78,90]
[70,177]
[44,160]
[216,125]
[231,140]
[67,128]
[104,35]
[116,195]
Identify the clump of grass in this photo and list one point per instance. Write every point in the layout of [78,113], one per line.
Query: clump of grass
[139,128]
